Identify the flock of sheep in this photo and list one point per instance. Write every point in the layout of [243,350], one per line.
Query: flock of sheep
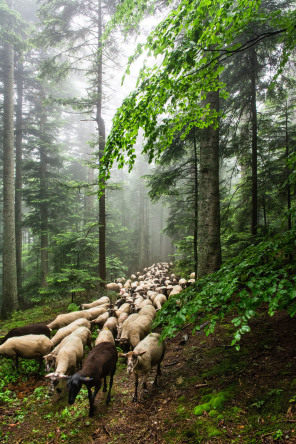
[126,323]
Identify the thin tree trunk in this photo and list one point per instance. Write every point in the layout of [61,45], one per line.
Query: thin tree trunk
[264,211]
[254,222]
[102,140]
[141,221]
[18,176]
[10,299]
[161,235]
[209,248]
[43,196]
[288,188]
[195,246]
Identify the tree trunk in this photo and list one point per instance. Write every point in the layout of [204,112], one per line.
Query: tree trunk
[43,196]
[18,175]
[195,246]
[102,140]
[288,188]
[10,299]
[141,221]
[254,222]
[209,248]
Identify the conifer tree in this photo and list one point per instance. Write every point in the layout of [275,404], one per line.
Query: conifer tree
[10,298]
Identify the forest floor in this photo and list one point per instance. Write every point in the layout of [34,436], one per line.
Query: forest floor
[208,393]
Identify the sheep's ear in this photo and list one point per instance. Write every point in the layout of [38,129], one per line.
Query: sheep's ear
[64,376]
[49,375]
[141,353]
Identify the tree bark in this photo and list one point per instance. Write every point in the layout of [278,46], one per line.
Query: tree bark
[10,298]
[254,222]
[141,221]
[18,175]
[209,248]
[288,172]
[102,141]
[43,195]
[195,245]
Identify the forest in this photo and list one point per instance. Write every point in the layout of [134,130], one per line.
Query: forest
[148,153]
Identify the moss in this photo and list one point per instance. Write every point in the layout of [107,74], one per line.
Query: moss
[213,431]
[213,402]
[199,409]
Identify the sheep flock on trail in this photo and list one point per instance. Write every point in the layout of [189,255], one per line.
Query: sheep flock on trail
[125,323]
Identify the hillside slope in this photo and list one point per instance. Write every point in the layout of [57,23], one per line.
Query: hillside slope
[208,393]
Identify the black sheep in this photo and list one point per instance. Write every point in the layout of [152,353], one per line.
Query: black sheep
[32,329]
[100,363]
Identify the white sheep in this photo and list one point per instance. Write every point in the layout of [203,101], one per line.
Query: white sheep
[182,282]
[114,287]
[138,301]
[105,335]
[159,300]
[120,322]
[102,300]
[124,308]
[148,310]
[111,324]
[27,346]
[69,357]
[100,320]
[84,335]
[136,330]
[66,318]
[176,290]
[148,353]
[65,331]
[145,302]
[152,294]
[97,311]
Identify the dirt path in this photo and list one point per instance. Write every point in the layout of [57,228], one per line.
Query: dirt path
[246,396]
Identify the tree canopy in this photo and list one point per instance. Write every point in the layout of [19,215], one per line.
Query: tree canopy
[192,46]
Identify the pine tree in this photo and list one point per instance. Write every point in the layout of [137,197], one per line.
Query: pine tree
[10,299]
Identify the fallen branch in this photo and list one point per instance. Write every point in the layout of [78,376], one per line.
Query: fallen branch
[171,363]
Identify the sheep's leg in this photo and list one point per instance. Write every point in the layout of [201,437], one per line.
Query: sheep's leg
[110,387]
[145,377]
[91,402]
[40,364]
[105,384]
[135,398]
[16,363]
[158,369]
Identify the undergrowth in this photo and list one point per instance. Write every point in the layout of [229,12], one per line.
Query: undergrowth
[261,277]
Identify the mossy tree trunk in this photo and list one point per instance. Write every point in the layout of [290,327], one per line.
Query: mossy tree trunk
[18,174]
[102,141]
[209,247]
[10,298]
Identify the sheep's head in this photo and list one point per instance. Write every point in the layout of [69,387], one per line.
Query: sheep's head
[123,343]
[50,360]
[74,386]
[131,359]
[55,378]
